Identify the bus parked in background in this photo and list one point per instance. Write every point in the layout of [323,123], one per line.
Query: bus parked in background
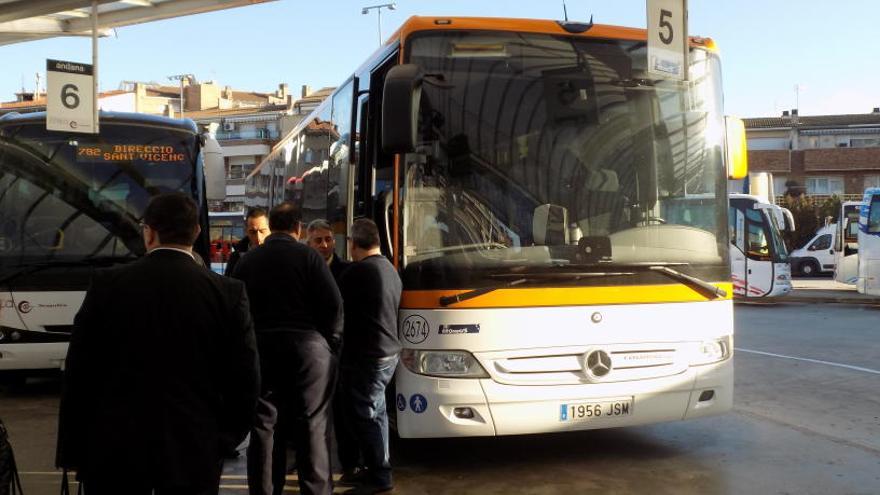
[226,229]
[517,170]
[71,203]
[759,261]
[869,243]
[846,243]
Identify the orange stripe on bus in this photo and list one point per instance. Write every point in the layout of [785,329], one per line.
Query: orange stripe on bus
[417,24]
[569,296]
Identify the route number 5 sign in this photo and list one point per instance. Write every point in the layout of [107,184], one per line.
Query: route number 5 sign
[667,38]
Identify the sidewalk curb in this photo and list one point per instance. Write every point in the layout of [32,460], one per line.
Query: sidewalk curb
[860,301]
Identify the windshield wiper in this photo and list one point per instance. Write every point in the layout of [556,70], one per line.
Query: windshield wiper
[464,296]
[521,278]
[586,271]
[699,285]
[664,268]
[36,266]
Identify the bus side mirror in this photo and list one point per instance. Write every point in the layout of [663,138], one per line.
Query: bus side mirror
[215,170]
[549,225]
[736,148]
[789,220]
[400,108]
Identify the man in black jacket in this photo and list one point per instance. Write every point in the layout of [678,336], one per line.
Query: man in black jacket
[297,312]
[256,229]
[371,291]
[320,236]
[162,370]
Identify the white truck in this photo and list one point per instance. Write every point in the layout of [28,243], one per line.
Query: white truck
[816,255]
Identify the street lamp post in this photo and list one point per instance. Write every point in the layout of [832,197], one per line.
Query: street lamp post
[378,9]
[182,78]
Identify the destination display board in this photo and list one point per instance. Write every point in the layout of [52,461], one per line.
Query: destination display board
[112,153]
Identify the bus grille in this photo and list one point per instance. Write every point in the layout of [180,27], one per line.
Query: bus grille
[552,367]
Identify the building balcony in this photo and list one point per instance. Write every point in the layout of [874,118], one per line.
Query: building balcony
[266,134]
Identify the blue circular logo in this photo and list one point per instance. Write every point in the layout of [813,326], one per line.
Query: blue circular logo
[418,403]
[401,402]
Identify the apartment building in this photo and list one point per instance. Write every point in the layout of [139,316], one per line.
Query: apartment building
[817,155]
[248,132]
[247,124]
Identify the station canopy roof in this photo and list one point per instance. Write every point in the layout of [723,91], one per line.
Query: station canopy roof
[29,20]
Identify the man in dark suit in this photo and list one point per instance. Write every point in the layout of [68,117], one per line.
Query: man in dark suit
[297,313]
[320,236]
[256,229]
[162,371]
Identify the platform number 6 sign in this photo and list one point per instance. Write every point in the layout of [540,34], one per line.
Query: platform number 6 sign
[70,97]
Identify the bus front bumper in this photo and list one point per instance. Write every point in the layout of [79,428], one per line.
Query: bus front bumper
[436,407]
[33,356]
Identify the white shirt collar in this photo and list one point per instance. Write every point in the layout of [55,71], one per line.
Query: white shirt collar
[184,251]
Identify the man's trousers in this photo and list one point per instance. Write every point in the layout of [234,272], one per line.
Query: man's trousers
[298,373]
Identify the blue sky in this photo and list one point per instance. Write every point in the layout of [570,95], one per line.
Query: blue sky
[828,48]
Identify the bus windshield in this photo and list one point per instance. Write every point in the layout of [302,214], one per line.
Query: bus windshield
[541,152]
[776,235]
[75,197]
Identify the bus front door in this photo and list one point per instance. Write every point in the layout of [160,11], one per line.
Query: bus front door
[846,256]
[738,260]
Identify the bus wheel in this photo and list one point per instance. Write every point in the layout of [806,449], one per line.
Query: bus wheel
[809,268]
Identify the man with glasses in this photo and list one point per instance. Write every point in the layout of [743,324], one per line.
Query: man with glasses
[256,229]
[162,373]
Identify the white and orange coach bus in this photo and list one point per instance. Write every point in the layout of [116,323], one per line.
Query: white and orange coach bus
[518,170]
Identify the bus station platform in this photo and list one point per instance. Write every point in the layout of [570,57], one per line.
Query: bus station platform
[819,290]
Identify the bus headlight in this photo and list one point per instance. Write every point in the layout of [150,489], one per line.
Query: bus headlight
[712,351]
[450,364]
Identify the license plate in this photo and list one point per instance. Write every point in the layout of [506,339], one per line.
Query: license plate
[586,411]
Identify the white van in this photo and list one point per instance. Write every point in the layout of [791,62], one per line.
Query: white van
[817,255]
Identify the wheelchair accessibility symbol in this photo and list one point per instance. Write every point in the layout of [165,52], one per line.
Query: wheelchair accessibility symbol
[401,402]
[418,403]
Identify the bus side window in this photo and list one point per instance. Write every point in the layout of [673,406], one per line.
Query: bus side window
[874,216]
[758,245]
[736,224]
[339,164]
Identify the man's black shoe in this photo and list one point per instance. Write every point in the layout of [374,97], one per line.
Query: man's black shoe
[352,477]
[369,489]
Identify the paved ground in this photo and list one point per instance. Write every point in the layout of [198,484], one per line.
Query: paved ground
[805,422]
[821,289]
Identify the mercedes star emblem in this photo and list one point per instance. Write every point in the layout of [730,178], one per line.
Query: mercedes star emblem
[598,363]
